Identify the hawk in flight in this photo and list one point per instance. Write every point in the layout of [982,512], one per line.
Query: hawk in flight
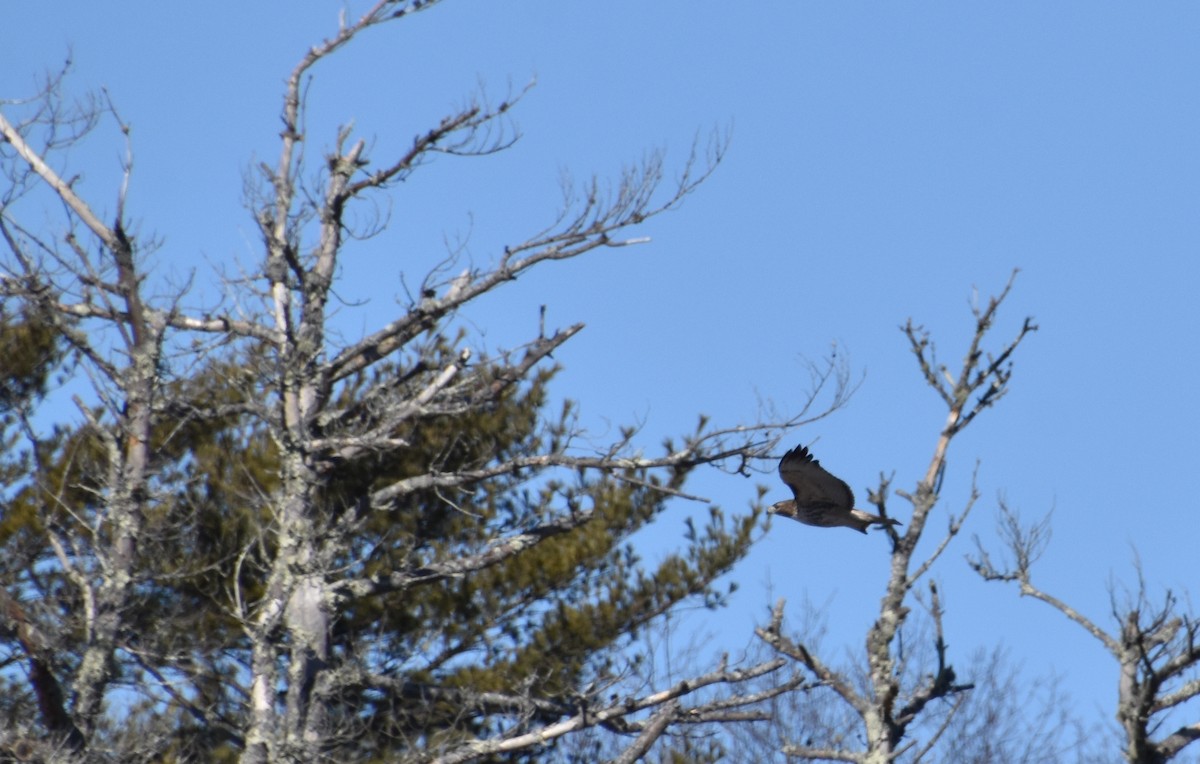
[820,498]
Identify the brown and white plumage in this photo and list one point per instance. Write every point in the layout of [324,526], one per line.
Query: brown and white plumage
[820,498]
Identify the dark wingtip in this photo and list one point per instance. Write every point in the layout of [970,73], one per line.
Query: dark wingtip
[800,452]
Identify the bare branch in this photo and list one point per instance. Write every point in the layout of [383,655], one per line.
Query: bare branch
[821,754]
[942,683]
[606,714]
[954,526]
[774,637]
[61,187]
[651,732]
[495,553]
[709,448]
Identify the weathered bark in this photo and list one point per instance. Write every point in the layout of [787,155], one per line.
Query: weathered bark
[105,573]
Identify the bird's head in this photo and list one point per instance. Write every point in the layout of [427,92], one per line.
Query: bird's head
[780,508]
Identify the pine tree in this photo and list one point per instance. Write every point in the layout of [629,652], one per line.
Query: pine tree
[251,538]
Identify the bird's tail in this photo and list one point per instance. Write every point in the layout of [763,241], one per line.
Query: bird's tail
[865,520]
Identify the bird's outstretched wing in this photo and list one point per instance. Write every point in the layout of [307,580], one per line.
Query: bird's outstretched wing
[811,484]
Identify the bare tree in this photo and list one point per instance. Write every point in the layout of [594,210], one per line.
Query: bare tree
[258,662]
[894,692]
[1156,645]
[1010,718]
[1007,717]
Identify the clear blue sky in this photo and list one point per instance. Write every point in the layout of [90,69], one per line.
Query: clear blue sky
[885,160]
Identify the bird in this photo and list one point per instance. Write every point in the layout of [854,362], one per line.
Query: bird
[820,498]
